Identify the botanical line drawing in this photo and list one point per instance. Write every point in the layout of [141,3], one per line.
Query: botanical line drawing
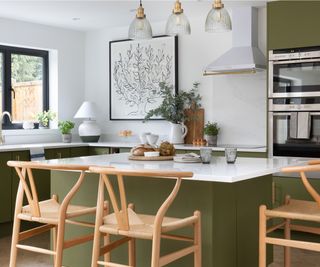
[137,71]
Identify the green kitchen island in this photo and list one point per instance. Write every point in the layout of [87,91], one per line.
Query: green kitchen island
[228,195]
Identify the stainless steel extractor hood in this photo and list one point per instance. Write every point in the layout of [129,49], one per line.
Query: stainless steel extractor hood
[244,56]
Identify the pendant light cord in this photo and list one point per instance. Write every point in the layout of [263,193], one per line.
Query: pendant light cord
[140,2]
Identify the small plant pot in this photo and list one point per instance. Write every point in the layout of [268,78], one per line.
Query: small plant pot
[211,139]
[41,126]
[66,138]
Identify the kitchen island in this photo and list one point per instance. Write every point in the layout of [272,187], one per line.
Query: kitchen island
[228,195]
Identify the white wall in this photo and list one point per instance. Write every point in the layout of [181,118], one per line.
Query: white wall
[237,103]
[67,61]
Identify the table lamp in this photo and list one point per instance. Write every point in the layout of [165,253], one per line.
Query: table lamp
[89,130]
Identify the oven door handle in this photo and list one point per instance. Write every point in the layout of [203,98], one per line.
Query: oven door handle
[289,113]
[294,95]
[296,61]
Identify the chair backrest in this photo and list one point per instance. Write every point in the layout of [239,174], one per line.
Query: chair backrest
[121,211]
[27,182]
[313,166]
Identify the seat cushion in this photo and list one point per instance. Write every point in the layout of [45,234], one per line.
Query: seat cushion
[49,210]
[142,225]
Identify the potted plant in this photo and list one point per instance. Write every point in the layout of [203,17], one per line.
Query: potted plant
[65,128]
[44,118]
[211,131]
[172,109]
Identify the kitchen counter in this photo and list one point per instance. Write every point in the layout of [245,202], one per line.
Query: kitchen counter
[218,171]
[21,147]
[228,196]
[15,147]
[241,148]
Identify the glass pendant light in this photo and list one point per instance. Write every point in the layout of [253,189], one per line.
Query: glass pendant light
[178,23]
[218,19]
[140,27]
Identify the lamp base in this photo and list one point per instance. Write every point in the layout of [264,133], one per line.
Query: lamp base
[90,139]
[89,131]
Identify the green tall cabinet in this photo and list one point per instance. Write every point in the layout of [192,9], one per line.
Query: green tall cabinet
[293,24]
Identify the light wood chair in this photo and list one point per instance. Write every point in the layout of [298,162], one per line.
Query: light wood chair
[293,209]
[50,213]
[125,222]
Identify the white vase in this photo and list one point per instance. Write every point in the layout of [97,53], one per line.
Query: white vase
[177,133]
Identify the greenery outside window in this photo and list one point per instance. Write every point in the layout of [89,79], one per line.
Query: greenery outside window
[24,84]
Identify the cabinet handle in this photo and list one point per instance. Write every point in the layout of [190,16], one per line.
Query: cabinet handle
[18,157]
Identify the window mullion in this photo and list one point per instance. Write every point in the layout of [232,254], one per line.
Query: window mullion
[7,85]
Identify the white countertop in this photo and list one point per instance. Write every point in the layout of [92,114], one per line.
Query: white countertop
[15,147]
[217,171]
[241,148]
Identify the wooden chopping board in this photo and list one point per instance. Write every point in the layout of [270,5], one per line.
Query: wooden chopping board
[195,124]
[143,158]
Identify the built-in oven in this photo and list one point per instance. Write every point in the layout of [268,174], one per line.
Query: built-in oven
[295,134]
[294,102]
[294,72]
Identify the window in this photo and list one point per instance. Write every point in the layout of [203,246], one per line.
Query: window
[23,84]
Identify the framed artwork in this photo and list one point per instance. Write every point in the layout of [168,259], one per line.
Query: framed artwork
[135,70]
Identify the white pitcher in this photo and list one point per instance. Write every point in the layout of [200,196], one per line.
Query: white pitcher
[177,133]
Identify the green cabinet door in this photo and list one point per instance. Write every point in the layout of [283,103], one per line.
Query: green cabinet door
[293,24]
[79,151]
[5,191]
[16,155]
[57,153]
[98,150]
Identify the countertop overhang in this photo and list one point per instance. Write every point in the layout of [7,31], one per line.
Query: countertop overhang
[15,147]
[217,171]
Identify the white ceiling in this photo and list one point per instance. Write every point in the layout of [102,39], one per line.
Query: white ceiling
[101,14]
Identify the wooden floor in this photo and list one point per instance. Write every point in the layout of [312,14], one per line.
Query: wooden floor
[300,258]
[25,258]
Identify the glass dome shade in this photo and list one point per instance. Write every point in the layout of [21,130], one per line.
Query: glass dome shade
[218,20]
[178,24]
[140,29]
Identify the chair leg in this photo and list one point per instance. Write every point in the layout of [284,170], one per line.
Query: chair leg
[106,238]
[14,242]
[132,252]
[99,220]
[54,232]
[59,244]
[132,245]
[197,240]
[287,250]
[155,257]
[262,235]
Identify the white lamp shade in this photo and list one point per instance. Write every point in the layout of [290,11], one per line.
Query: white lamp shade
[86,111]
